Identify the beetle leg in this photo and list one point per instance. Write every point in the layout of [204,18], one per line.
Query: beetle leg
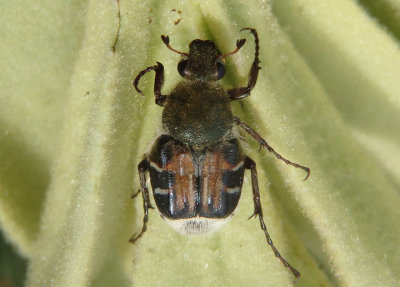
[263,143]
[250,164]
[143,168]
[243,92]
[135,194]
[158,82]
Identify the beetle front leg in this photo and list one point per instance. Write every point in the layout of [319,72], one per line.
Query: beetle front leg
[250,164]
[243,92]
[143,168]
[158,82]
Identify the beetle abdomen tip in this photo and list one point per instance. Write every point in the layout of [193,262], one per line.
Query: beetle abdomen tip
[197,225]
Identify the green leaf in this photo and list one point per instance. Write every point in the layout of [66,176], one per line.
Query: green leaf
[73,129]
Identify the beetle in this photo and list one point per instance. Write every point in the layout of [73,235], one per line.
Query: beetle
[197,165]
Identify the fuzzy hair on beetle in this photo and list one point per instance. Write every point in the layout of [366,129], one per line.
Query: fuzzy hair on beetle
[197,165]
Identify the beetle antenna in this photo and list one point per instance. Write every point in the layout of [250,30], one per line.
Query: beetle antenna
[239,44]
[165,39]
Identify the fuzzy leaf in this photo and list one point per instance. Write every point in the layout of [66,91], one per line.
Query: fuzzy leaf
[72,131]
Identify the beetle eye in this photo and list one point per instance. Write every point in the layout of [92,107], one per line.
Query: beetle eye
[220,69]
[182,66]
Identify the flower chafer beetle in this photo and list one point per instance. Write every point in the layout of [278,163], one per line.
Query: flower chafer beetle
[197,166]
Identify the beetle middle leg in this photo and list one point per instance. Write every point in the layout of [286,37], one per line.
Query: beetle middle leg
[143,168]
[243,92]
[158,82]
[250,164]
[263,143]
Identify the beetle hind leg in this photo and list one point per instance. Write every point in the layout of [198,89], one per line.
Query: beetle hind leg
[250,164]
[143,168]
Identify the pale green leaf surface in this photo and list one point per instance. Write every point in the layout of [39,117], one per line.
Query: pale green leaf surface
[39,43]
[72,134]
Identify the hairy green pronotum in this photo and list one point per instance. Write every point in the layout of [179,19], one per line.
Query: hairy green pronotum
[73,129]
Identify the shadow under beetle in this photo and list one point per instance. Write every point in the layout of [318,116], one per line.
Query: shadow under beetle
[197,166]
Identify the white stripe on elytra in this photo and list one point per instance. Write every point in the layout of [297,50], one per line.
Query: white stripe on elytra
[162,191]
[239,165]
[156,167]
[233,190]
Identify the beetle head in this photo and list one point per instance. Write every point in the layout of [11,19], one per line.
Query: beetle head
[204,61]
